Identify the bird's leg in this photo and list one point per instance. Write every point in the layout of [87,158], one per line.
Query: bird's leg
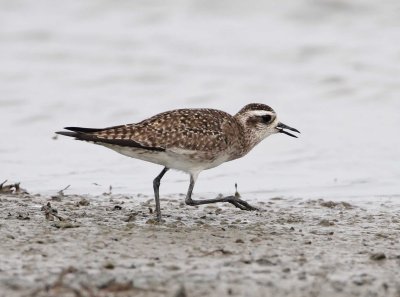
[236,201]
[156,187]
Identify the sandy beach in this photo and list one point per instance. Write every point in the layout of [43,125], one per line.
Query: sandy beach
[110,245]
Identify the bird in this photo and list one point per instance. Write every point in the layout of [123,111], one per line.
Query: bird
[189,140]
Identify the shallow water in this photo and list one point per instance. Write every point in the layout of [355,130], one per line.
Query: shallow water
[329,68]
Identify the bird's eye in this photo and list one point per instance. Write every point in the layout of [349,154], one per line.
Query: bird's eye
[266,118]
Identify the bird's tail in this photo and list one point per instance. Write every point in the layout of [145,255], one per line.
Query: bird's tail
[65,133]
[78,132]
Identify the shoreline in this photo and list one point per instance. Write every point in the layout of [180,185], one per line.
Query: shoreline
[110,245]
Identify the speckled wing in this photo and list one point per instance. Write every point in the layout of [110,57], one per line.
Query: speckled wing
[88,134]
[186,129]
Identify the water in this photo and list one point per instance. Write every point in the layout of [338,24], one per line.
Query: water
[329,68]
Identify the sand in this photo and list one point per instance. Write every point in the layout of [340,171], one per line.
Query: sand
[110,245]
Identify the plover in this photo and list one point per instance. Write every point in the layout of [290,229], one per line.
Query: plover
[190,140]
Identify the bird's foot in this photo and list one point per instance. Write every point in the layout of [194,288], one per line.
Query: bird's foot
[239,203]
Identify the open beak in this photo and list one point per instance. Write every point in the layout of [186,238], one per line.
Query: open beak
[281,128]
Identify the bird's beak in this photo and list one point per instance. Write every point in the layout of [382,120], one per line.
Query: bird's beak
[280,127]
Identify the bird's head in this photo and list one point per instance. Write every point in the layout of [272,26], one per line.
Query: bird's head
[260,121]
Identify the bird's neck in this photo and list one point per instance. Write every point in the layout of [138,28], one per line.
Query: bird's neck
[247,140]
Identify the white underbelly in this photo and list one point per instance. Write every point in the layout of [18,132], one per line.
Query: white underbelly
[184,160]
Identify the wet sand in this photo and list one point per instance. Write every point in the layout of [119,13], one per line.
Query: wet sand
[109,245]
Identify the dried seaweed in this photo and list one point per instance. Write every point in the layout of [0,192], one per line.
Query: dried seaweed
[50,212]
[11,188]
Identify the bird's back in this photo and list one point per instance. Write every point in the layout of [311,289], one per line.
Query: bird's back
[189,129]
[203,130]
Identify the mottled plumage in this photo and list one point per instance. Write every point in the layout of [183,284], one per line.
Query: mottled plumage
[191,140]
[190,129]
